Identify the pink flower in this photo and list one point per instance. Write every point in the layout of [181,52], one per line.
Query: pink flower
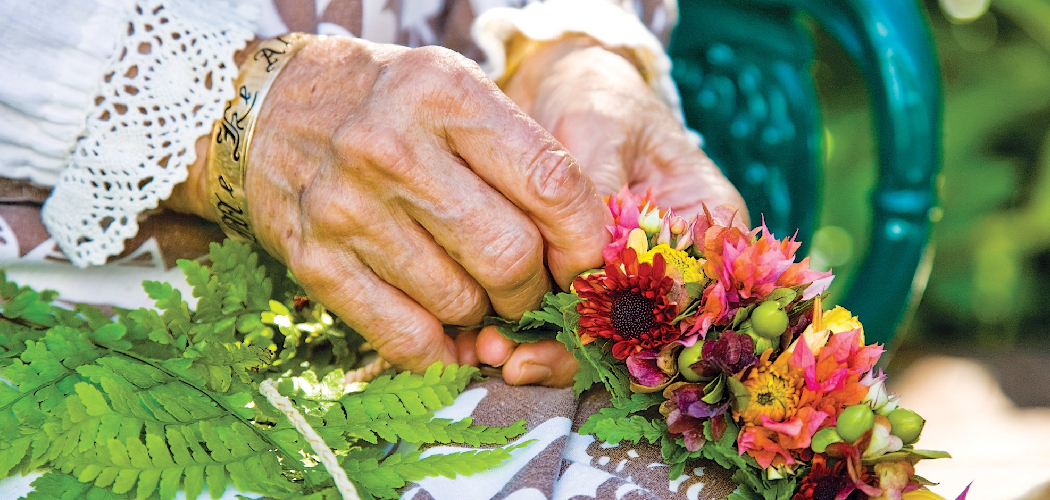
[833,378]
[779,443]
[626,209]
[745,269]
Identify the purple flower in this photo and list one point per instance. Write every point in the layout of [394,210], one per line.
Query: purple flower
[685,412]
[645,373]
[651,371]
[731,353]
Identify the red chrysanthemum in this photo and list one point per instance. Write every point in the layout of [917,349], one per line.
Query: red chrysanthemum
[825,483]
[628,305]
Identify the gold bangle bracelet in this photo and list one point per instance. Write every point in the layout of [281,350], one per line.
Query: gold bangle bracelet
[232,135]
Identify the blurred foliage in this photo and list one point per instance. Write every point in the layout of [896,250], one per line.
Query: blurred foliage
[990,280]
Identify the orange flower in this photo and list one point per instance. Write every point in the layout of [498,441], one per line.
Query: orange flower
[774,394]
[833,379]
[775,444]
[745,270]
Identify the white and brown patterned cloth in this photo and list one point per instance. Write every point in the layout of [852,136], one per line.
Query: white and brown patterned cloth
[562,464]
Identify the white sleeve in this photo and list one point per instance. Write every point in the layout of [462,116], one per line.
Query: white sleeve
[148,79]
[609,23]
[52,57]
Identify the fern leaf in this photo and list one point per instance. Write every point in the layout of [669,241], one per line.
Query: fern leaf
[620,410]
[633,429]
[166,399]
[57,486]
[427,430]
[408,394]
[382,479]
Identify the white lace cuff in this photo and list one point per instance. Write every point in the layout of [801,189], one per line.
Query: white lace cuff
[163,89]
[607,23]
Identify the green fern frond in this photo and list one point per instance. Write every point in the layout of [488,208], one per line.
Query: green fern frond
[58,486]
[158,400]
[382,479]
[406,394]
[425,430]
[613,424]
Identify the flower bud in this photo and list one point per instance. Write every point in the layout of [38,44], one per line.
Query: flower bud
[688,357]
[882,440]
[678,225]
[649,220]
[877,396]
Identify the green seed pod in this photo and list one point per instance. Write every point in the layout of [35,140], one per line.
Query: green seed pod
[687,357]
[906,424]
[761,343]
[823,438]
[854,421]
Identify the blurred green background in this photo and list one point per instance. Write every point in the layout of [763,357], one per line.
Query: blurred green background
[989,286]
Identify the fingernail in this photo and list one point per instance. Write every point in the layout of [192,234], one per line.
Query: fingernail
[533,373]
[505,359]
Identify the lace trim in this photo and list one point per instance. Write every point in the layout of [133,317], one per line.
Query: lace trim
[161,92]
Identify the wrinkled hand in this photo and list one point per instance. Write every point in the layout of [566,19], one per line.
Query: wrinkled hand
[405,191]
[596,103]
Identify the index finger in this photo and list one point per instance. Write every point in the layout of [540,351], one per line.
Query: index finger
[512,153]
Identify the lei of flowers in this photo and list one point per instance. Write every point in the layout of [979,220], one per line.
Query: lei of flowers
[712,342]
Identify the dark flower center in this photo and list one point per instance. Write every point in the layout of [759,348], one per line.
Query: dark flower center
[632,314]
[828,489]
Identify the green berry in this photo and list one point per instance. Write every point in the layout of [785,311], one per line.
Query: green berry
[854,421]
[906,424]
[769,320]
[687,357]
[823,438]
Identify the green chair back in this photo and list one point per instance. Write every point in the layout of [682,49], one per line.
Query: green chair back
[742,67]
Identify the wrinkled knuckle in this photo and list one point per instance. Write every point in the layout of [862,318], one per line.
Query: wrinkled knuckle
[374,144]
[461,305]
[348,140]
[440,72]
[434,61]
[517,258]
[404,344]
[555,177]
[312,272]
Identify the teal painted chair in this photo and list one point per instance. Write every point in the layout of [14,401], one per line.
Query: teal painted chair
[742,67]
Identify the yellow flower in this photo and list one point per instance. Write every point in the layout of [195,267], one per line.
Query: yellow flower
[689,269]
[773,394]
[836,320]
[921,494]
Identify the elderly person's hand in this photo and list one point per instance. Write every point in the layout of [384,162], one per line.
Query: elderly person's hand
[405,191]
[596,103]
